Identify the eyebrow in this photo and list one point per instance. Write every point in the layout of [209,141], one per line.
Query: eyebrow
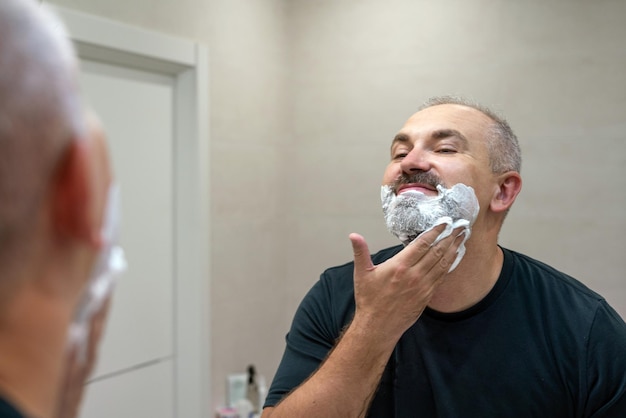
[447,133]
[400,138]
[438,135]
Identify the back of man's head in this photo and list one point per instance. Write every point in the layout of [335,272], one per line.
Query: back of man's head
[55,176]
[40,111]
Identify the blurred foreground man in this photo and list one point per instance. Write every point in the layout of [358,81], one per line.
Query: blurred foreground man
[450,324]
[57,220]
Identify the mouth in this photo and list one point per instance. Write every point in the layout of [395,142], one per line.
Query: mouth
[426,189]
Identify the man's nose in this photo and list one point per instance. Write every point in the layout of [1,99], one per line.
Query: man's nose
[415,160]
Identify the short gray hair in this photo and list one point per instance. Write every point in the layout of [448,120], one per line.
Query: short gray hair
[502,144]
[40,108]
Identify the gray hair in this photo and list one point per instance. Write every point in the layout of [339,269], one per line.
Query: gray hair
[504,150]
[40,108]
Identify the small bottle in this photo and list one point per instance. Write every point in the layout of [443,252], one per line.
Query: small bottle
[252,391]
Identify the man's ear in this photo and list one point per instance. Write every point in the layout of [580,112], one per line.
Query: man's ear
[509,186]
[72,197]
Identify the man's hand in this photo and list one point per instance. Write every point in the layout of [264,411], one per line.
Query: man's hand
[76,371]
[391,296]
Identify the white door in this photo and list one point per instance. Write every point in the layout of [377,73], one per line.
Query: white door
[136,108]
[150,91]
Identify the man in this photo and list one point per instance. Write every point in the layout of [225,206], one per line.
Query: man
[408,333]
[54,187]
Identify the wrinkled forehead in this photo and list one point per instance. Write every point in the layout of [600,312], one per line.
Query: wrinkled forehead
[470,122]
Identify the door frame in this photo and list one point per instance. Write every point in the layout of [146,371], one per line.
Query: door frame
[107,41]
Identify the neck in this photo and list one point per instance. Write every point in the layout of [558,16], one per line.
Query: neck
[472,280]
[32,351]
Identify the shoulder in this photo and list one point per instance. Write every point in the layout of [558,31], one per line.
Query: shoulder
[583,331]
[558,302]
[540,276]
[560,298]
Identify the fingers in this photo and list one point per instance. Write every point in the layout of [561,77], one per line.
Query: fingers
[421,245]
[443,254]
[71,387]
[427,252]
[96,331]
[362,259]
[77,371]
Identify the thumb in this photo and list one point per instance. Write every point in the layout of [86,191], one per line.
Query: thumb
[362,259]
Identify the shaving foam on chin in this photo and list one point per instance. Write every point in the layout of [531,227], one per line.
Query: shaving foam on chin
[412,213]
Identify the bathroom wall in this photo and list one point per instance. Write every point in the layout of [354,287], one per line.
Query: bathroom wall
[305,97]
[556,70]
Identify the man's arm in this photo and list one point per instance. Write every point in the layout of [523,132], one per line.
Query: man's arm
[389,299]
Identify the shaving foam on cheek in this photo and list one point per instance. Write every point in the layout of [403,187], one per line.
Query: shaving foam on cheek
[413,213]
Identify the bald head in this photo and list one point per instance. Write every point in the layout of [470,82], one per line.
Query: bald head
[40,109]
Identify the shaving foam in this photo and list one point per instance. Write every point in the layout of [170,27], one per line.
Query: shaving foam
[412,213]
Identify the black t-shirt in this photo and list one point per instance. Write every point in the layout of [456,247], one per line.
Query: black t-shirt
[8,411]
[540,344]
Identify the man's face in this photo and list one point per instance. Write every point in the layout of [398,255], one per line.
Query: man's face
[444,144]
